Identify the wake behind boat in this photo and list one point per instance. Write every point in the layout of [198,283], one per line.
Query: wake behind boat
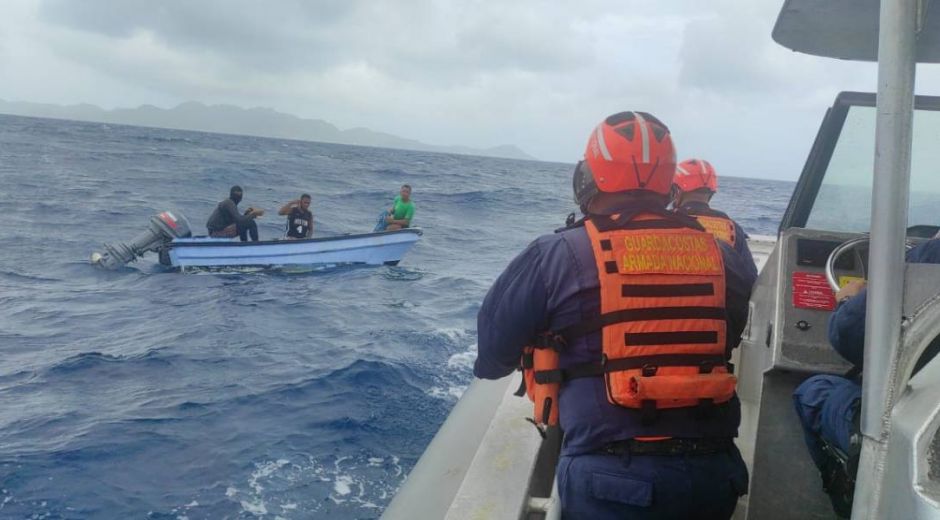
[170,237]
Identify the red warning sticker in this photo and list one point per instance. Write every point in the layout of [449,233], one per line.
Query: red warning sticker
[812,291]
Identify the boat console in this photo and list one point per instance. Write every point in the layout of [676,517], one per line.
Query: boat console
[786,341]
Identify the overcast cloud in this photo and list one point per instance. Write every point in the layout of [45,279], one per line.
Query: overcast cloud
[478,73]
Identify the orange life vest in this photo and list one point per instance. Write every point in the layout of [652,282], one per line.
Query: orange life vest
[537,361]
[715,222]
[719,226]
[663,323]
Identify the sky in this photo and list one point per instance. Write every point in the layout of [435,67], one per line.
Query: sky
[536,74]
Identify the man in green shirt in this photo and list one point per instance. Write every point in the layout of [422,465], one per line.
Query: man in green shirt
[402,210]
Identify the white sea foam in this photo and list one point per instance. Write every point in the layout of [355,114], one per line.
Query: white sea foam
[455,335]
[255,503]
[255,508]
[281,488]
[460,363]
[449,393]
[463,359]
[341,485]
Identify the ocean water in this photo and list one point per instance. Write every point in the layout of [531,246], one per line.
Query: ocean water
[145,393]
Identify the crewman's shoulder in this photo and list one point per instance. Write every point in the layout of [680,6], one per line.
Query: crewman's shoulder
[560,245]
[925,253]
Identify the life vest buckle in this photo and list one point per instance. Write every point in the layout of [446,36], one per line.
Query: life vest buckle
[649,370]
[527,361]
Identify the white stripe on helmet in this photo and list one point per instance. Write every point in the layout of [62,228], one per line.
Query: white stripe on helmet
[599,133]
[644,136]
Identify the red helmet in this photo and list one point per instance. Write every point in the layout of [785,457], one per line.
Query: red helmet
[696,174]
[627,151]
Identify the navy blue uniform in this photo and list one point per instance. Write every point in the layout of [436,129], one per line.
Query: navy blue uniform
[554,284]
[827,405]
[740,243]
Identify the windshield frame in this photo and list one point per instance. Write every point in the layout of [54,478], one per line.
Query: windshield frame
[817,162]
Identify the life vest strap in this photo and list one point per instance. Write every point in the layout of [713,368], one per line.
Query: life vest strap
[694,337]
[654,313]
[705,362]
[626,220]
[641,290]
[528,360]
[571,223]
[670,446]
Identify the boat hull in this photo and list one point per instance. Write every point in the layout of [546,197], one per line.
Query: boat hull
[386,248]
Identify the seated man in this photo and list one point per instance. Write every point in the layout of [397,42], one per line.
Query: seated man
[227,222]
[693,187]
[299,218]
[402,210]
[829,406]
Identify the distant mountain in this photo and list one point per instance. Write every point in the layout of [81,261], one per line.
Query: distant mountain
[230,119]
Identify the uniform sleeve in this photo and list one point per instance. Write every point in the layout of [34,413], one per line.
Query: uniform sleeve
[512,313]
[410,212]
[847,328]
[847,323]
[741,247]
[926,253]
[739,280]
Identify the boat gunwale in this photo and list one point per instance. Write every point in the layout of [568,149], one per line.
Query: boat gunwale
[262,254]
[214,242]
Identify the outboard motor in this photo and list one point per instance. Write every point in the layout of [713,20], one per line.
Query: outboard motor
[162,230]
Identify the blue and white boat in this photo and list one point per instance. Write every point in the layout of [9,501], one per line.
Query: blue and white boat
[169,236]
[385,248]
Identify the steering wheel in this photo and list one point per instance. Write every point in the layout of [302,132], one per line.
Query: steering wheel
[837,253]
[854,245]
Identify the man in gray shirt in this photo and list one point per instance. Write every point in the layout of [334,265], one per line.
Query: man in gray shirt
[227,222]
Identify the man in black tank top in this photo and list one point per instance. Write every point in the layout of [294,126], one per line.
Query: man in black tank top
[299,218]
